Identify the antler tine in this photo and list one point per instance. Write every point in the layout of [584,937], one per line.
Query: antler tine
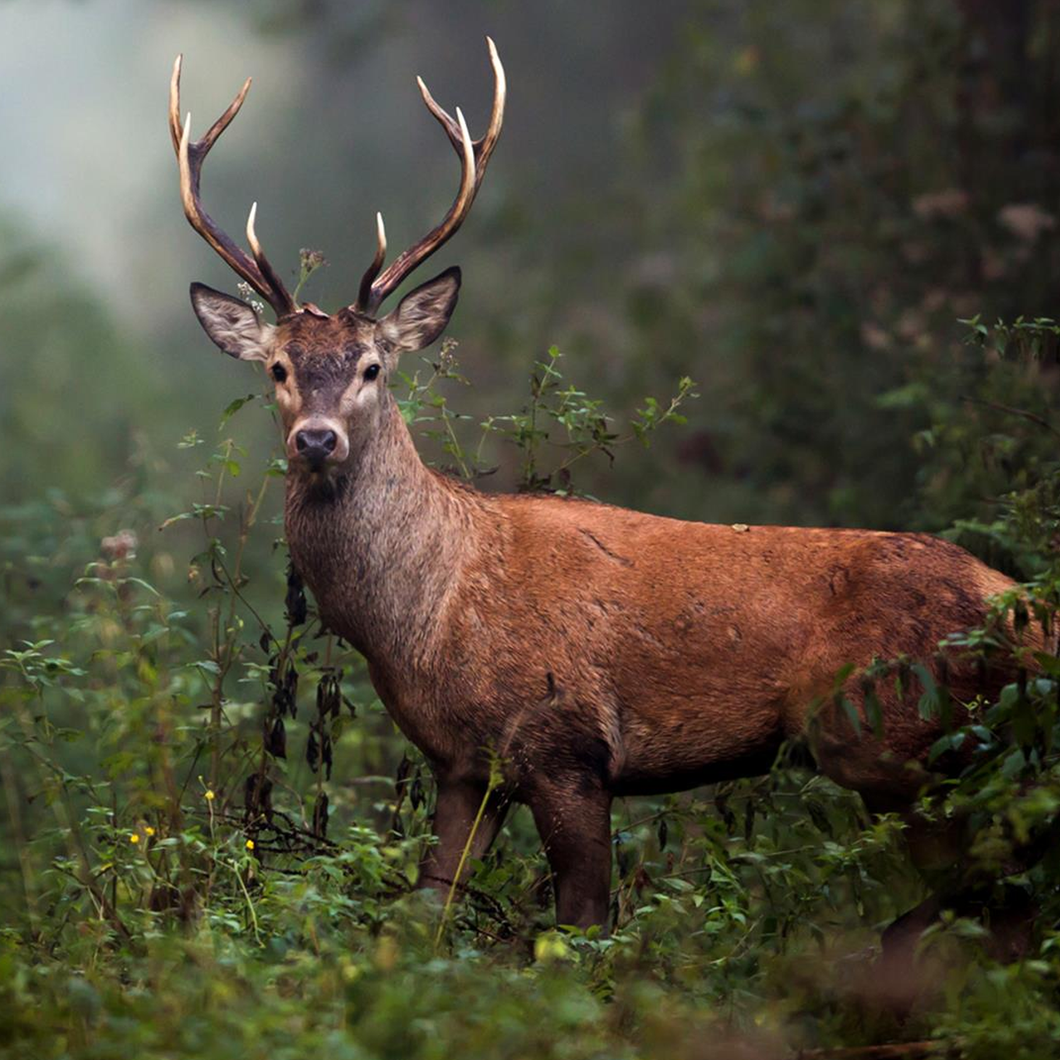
[500,94]
[175,124]
[474,157]
[265,266]
[485,144]
[190,156]
[364,292]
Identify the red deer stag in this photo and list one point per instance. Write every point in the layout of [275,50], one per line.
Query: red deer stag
[598,651]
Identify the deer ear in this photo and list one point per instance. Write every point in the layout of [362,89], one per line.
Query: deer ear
[422,315]
[231,324]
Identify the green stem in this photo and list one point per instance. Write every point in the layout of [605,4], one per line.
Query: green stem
[250,902]
[490,787]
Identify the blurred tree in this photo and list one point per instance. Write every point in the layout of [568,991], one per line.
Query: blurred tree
[818,192]
[73,390]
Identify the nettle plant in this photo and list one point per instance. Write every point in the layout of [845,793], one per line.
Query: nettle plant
[557,417]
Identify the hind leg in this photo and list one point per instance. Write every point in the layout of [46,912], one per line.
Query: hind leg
[574,821]
[890,779]
[938,849]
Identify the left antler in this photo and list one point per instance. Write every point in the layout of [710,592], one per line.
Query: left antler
[258,272]
[474,157]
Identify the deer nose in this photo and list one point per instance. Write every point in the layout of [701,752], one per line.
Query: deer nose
[315,446]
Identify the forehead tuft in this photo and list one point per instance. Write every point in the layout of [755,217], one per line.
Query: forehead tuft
[340,337]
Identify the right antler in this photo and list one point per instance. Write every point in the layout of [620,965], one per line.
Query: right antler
[474,157]
[190,156]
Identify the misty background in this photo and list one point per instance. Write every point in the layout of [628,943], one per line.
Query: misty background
[794,206]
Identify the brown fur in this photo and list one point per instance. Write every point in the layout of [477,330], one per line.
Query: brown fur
[598,651]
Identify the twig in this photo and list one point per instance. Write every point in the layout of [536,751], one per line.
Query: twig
[1012,411]
[494,782]
[894,1051]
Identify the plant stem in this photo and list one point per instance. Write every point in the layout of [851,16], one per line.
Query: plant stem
[490,788]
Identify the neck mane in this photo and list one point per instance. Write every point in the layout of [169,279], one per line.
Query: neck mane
[382,544]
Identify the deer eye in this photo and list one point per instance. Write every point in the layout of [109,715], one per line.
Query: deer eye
[371,372]
[279,373]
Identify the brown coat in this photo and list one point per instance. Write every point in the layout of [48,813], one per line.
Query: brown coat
[603,652]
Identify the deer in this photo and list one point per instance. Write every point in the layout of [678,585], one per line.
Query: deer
[595,651]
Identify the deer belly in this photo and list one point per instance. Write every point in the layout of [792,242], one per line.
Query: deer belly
[696,709]
[682,743]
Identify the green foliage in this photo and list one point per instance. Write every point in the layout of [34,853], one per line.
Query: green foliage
[211,829]
[583,427]
[819,191]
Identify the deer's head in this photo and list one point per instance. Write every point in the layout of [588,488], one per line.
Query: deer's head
[330,370]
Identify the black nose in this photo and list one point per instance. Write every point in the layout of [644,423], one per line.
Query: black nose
[315,446]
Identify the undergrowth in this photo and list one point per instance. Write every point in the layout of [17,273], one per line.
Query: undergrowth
[212,828]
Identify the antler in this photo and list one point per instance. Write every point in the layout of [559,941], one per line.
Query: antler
[190,156]
[474,157]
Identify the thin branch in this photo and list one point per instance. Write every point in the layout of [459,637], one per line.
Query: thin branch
[895,1051]
[1012,411]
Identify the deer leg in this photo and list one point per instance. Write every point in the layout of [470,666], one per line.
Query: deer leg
[939,851]
[575,828]
[456,808]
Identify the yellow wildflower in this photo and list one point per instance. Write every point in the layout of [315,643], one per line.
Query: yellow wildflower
[250,844]
[134,838]
[209,796]
[149,830]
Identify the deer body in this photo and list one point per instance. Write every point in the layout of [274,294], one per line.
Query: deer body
[603,652]
[683,648]
[595,651]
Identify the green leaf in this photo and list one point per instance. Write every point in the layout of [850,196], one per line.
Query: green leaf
[233,407]
[851,711]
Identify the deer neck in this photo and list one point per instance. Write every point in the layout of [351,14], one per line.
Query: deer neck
[381,545]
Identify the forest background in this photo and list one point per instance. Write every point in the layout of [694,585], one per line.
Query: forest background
[837,219]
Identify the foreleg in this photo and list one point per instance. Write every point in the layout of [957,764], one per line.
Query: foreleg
[456,809]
